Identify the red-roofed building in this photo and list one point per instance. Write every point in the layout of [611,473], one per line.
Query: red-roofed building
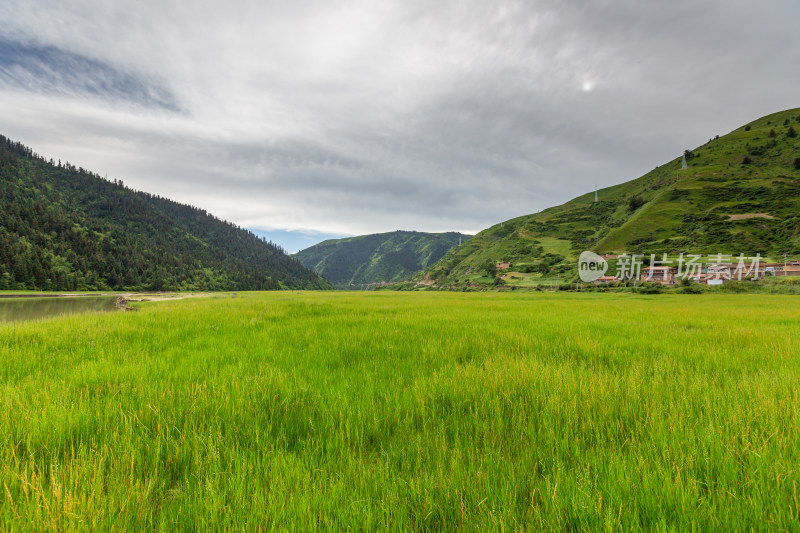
[664,275]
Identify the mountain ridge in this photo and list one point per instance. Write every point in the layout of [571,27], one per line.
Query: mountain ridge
[715,204]
[66,228]
[379,258]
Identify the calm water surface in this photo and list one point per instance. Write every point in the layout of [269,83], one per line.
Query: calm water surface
[20,309]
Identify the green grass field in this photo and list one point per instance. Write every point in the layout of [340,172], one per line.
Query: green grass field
[406,411]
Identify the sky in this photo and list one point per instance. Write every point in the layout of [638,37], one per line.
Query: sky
[309,119]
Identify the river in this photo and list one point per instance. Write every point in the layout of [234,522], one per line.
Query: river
[18,309]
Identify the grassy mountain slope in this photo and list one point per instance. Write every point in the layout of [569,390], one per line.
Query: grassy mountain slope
[739,194]
[356,262]
[64,228]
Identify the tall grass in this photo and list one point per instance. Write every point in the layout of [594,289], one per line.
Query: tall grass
[406,411]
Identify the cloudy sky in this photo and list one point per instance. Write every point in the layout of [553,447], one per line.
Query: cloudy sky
[350,117]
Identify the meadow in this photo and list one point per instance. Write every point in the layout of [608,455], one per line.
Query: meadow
[406,411]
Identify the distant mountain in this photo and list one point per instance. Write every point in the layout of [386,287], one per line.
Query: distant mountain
[65,228]
[740,193]
[367,260]
[295,240]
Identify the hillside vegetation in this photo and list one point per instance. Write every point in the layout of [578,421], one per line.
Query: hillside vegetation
[65,228]
[739,194]
[359,262]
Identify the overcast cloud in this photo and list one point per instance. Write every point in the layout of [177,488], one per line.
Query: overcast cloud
[363,116]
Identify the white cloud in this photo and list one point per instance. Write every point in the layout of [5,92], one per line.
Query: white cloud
[357,116]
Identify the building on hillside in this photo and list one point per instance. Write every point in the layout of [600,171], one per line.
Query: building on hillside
[605,280]
[697,277]
[664,275]
[718,273]
[503,265]
[791,268]
[735,272]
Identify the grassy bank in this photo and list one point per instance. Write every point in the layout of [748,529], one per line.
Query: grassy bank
[406,411]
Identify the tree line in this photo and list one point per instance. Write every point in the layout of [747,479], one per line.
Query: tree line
[65,228]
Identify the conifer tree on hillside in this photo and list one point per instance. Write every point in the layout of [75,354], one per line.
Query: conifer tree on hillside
[65,228]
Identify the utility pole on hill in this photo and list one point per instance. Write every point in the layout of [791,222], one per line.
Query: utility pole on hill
[683,167]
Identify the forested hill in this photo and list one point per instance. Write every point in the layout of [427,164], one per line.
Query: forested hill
[65,228]
[359,262]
